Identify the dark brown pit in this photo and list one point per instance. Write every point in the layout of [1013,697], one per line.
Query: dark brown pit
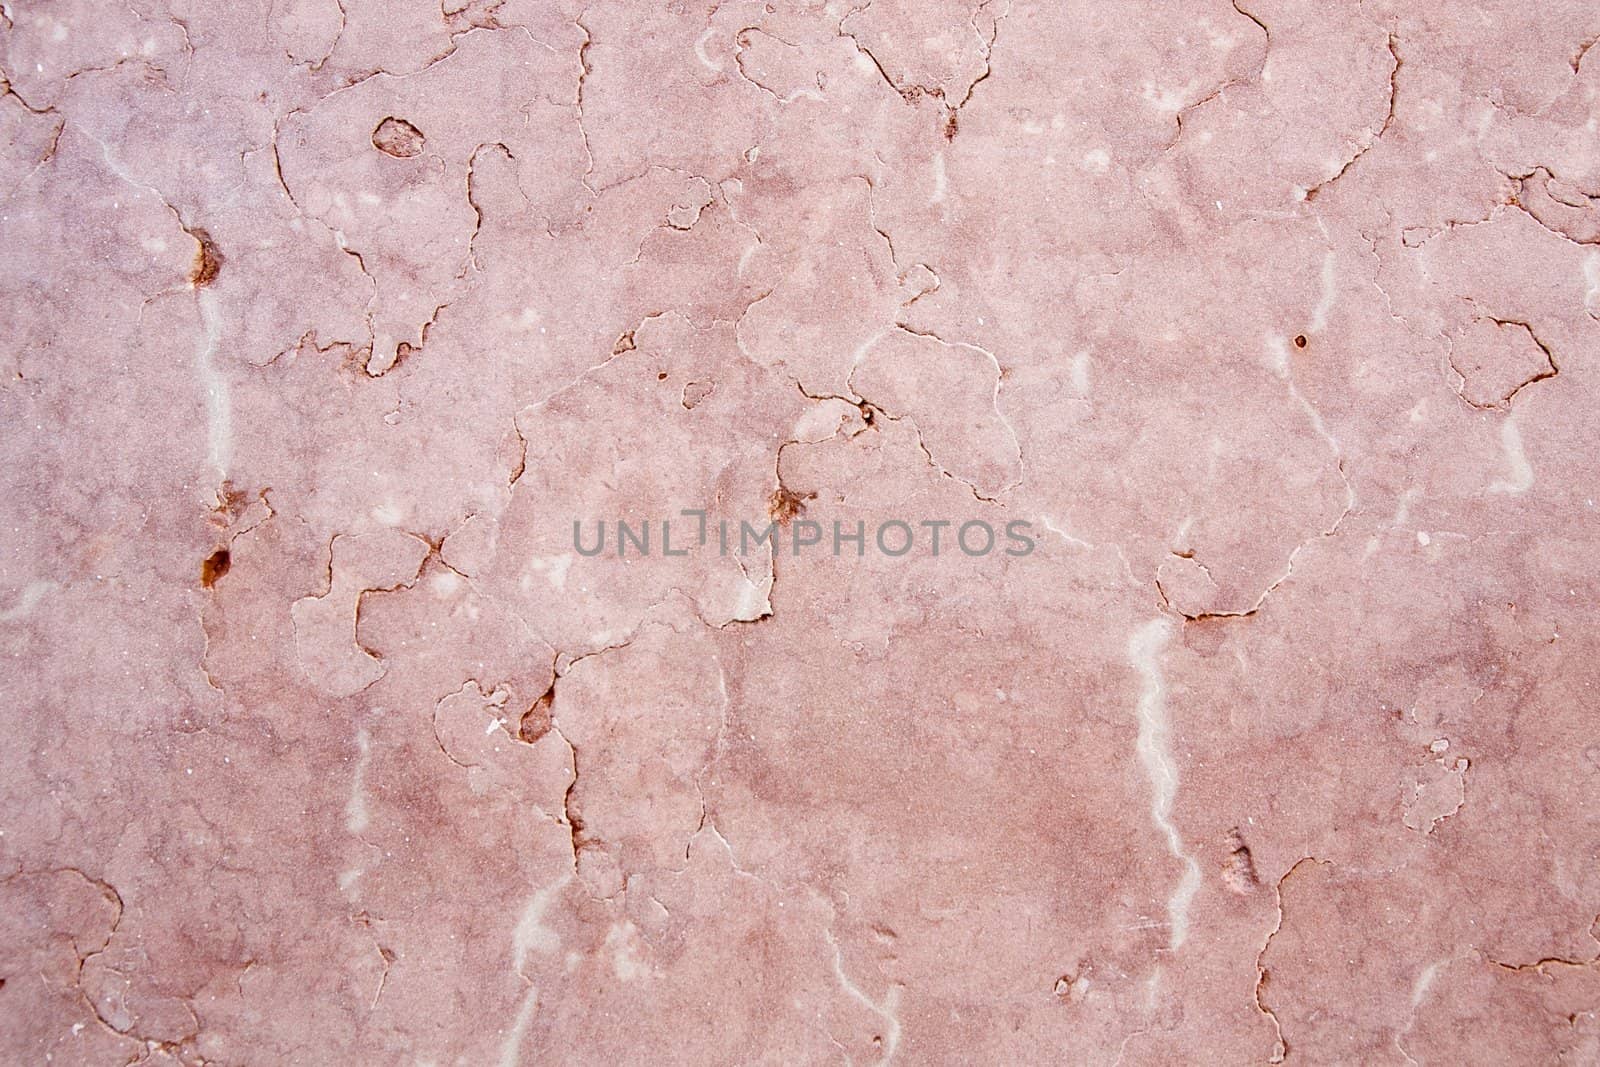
[214,566]
[783,505]
[207,260]
[1300,341]
[536,720]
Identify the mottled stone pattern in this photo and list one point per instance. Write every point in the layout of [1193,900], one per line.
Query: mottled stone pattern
[1274,326]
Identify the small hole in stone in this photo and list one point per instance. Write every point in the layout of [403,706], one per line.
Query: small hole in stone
[1300,341]
[661,377]
[214,567]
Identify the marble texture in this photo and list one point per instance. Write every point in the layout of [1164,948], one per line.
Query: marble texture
[1274,322]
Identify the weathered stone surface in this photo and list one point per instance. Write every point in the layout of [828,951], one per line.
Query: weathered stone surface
[1109,569]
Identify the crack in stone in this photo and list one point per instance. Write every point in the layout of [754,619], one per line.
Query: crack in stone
[1263,975]
[1504,403]
[1388,121]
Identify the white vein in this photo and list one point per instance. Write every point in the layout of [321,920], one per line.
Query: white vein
[1154,749]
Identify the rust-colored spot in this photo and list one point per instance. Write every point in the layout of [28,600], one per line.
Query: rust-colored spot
[536,720]
[398,138]
[952,126]
[230,501]
[207,260]
[214,566]
[624,344]
[1300,341]
[783,506]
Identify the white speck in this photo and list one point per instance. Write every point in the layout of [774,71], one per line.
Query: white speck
[1403,511]
[623,941]
[389,513]
[1080,374]
[1521,472]
[27,600]
[1423,538]
[554,568]
[1167,100]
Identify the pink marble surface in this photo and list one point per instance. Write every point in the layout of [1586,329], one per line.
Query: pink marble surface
[1275,322]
